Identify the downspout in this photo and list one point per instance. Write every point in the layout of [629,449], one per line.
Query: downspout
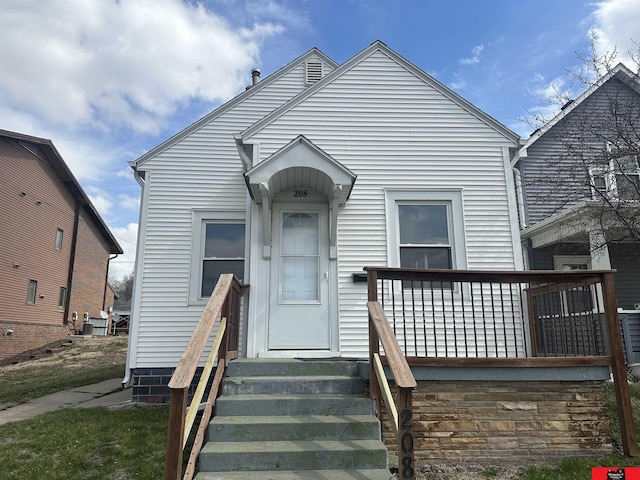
[72,261]
[520,197]
[142,181]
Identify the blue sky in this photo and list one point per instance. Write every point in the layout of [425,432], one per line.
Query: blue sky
[108,80]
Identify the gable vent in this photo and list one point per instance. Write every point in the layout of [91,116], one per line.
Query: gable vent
[313,72]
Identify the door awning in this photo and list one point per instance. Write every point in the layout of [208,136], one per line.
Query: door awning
[300,164]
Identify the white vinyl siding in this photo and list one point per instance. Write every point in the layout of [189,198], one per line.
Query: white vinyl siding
[200,172]
[396,132]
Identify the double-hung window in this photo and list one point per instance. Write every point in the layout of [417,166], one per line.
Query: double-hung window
[627,175]
[425,239]
[219,247]
[223,253]
[426,229]
[620,179]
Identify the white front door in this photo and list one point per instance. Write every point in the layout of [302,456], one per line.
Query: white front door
[299,314]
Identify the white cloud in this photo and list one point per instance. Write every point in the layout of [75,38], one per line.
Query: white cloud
[128,201]
[100,199]
[476,53]
[617,26]
[127,238]
[128,64]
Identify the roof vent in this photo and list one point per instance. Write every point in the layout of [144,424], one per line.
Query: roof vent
[566,105]
[255,76]
[313,72]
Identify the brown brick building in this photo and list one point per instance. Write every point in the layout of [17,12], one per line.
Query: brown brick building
[54,247]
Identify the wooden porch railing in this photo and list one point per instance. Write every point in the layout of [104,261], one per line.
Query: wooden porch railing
[223,305]
[380,332]
[501,318]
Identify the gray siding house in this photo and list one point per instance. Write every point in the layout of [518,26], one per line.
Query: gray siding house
[579,182]
[297,184]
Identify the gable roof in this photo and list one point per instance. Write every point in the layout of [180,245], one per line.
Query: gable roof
[422,75]
[232,103]
[619,72]
[62,170]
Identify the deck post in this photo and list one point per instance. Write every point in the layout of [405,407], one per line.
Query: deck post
[406,442]
[374,343]
[623,399]
[175,434]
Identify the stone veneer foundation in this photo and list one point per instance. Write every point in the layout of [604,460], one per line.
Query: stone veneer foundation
[481,421]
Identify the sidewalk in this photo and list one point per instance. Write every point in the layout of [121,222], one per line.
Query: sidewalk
[104,394]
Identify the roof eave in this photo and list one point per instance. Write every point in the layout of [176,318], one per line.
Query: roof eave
[229,104]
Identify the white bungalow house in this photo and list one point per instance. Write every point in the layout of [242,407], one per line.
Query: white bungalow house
[298,183]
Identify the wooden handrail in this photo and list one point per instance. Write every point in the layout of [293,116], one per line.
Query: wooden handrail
[221,305]
[395,358]
[382,333]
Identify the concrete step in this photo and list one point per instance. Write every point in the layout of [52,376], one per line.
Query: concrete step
[300,404]
[292,385]
[294,428]
[288,455]
[369,474]
[253,367]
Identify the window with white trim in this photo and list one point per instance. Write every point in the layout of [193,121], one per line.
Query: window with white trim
[620,180]
[218,247]
[426,229]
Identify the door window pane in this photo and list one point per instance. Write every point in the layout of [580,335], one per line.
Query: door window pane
[299,268]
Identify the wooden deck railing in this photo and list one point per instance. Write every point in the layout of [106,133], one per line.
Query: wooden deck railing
[380,332]
[223,305]
[501,319]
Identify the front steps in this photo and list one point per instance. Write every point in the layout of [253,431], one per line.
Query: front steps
[293,420]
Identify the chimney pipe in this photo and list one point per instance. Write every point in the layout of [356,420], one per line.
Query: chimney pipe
[255,76]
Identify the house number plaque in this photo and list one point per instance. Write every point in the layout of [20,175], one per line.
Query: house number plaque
[406,444]
[300,193]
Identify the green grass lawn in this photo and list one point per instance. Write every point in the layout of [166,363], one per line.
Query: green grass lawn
[91,443]
[37,383]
